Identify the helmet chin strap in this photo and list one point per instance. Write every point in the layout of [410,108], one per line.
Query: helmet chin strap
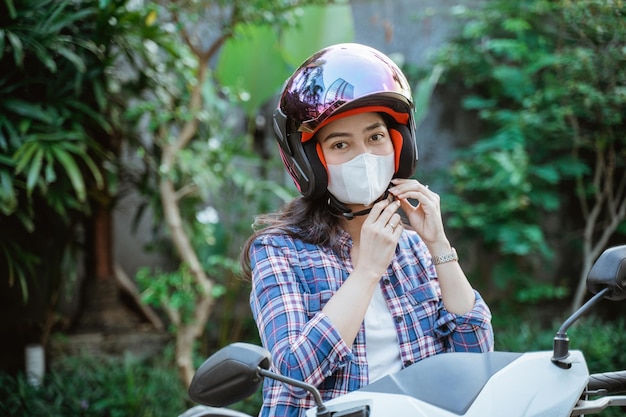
[340,208]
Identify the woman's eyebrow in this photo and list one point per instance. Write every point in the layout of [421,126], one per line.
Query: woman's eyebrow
[335,135]
[374,126]
[368,128]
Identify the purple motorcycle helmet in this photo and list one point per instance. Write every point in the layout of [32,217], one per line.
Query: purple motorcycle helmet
[339,81]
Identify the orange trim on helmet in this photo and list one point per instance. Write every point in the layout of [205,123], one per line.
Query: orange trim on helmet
[402,118]
[320,154]
[397,140]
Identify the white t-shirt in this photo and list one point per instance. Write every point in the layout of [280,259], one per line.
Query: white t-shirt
[383,352]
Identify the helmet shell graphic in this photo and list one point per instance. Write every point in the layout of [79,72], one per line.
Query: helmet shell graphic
[341,80]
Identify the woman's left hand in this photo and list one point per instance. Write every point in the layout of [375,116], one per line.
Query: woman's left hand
[425,217]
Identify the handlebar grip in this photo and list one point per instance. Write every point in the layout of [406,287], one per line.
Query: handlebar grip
[612,382]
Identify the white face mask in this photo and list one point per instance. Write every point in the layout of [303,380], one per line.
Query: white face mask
[361,180]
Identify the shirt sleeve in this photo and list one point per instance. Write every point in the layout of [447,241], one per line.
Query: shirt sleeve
[302,340]
[471,332]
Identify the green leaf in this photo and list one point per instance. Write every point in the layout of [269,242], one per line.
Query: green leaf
[423,93]
[50,174]
[24,108]
[18,48]
[97,175]
[99,95]
[43,54]
[24,154]
[72,57]
[516,25]
[218,291]
[91,113]
[89,162]
[58,20]
[547,173]
[8,200]
[73,171]
[2,42]
[548,200]
[11,7]
[34,170]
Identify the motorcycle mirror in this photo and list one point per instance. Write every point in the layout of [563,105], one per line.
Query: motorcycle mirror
[229,375]
[609,271]
[606,279]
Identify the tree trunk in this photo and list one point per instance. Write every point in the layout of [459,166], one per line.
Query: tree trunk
[603,217]
[186,333]
[102,308]
[186,336]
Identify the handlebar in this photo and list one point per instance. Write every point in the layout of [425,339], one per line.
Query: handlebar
[603,385]
[610,382]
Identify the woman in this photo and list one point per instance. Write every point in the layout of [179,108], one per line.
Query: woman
[343,292]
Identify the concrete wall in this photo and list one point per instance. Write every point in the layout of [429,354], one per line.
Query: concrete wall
[415,29]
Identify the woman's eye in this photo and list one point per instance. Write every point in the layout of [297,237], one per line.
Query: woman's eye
[377,137]
[340,145]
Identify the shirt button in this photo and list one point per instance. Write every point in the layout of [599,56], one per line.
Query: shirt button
[399,319]
[386,281]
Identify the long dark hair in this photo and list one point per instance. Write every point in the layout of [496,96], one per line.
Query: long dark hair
[312,221]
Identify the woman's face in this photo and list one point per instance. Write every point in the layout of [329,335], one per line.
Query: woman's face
[345,138]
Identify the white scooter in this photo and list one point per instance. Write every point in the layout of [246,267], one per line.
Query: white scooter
[544,383]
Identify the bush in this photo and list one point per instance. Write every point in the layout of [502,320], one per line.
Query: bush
[600,341]
[96,386]
[545,78]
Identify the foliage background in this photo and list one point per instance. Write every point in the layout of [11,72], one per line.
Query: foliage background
[543,189]
[549,97]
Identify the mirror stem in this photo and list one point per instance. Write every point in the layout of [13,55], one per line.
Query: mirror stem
[561,341]
[321,408]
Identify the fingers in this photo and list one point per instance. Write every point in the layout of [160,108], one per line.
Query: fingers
[425,217]
[405,189]
[389,217]
[379,237]
[381,230]
[401,187]
[395,221]
[383,211]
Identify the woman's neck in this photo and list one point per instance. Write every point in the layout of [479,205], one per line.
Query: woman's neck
[353,227]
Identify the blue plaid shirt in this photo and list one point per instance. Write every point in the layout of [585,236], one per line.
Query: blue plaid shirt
[293,280]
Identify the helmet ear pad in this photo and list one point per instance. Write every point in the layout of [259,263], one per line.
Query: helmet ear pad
[318,170]
[300,158]
[404,147]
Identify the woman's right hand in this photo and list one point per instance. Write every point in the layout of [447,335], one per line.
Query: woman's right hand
[377,242]
[380,233]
